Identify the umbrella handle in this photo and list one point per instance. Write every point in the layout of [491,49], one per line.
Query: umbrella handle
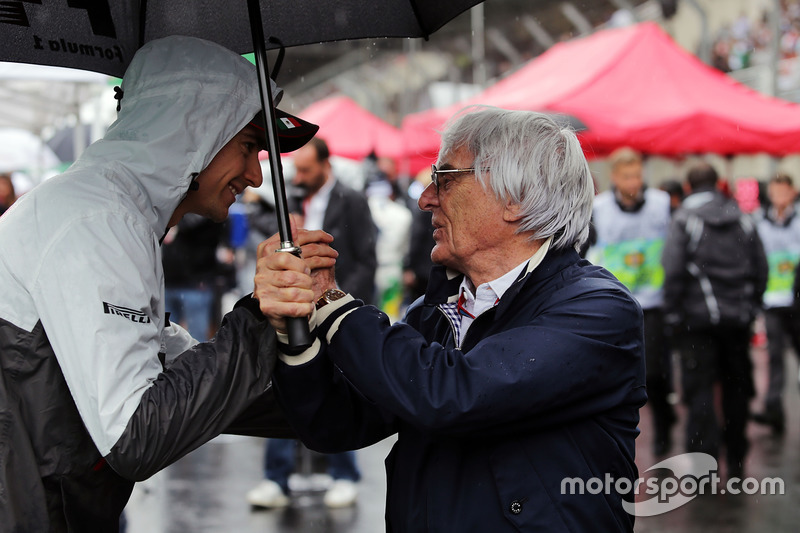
[296,326]
[299,337]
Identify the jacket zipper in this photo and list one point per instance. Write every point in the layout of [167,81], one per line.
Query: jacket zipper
[456,341]
[460,343]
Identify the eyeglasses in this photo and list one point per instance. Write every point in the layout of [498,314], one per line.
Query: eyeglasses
[435,172]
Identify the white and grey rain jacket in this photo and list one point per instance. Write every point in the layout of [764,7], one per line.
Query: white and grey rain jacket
[96,388]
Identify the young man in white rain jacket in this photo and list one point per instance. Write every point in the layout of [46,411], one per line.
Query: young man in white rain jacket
[97,388]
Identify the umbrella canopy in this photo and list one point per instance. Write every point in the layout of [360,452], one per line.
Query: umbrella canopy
[636,87]
[63,142]
[103,35]
[351,131]
[21,150]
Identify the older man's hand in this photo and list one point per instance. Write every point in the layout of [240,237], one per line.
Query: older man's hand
[288,286]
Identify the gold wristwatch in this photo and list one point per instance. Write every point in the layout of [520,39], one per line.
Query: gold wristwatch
[331,295]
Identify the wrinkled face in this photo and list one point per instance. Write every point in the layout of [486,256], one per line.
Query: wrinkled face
[234,168]
[310,173]
[627,178]
[467,219]
[781,195]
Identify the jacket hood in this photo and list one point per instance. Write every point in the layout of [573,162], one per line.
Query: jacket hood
[183,99]
[713,208]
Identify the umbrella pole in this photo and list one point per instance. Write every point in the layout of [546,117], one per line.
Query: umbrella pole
[299,337]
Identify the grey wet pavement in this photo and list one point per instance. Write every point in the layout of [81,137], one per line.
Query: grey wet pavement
[205,491]
[770,457]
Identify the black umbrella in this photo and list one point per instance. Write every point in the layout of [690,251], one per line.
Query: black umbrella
[103,35]
[63,142]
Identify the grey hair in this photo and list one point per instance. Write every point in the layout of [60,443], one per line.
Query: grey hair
[530,161]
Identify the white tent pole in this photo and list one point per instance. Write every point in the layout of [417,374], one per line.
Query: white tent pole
[478,46]
[78,136]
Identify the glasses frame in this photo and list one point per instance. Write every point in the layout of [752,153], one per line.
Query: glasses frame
[435,173]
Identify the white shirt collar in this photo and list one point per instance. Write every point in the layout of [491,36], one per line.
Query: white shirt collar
[488,294]
[317,205]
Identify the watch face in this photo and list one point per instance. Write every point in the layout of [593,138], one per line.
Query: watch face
[331,295]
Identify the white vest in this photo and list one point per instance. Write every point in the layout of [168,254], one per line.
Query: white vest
[782,247]
[629,244]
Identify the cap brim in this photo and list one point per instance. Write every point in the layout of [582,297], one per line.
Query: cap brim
[293,132]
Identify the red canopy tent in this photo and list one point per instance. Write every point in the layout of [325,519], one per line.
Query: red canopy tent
[635,87]
[351,131]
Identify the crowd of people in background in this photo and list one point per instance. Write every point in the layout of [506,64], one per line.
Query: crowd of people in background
[704,269]
[747,42]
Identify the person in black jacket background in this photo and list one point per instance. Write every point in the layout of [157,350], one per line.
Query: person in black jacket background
[715,274]
[191,272]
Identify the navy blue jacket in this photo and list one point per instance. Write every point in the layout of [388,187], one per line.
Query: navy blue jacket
[546,386]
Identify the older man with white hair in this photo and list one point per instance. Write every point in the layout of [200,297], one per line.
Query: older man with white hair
[520,369]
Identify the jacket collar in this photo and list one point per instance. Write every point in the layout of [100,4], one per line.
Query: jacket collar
[772,216]
[698,198]
[335,207]
[443,285]
[637,205]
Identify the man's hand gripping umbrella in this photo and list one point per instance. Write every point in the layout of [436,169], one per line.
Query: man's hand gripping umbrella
[287,285]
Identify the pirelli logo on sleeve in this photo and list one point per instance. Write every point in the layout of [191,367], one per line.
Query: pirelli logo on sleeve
[131,314]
